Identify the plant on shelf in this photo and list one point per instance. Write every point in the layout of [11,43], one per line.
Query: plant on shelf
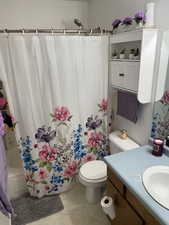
[127,22]
[122,53]
[137,54]
[132,53]
[114,55]
[116,24]
[140,18]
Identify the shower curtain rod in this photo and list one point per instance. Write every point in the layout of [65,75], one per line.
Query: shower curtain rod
[95,31]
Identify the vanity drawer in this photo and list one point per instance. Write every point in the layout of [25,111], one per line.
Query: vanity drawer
[135,203]
[125,215]
[115,181]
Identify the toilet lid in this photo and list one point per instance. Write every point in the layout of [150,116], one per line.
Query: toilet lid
[93,170]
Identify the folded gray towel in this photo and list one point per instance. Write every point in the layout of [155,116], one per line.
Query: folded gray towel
[127,105]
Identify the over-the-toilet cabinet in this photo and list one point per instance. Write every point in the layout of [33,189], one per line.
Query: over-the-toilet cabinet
[134,74]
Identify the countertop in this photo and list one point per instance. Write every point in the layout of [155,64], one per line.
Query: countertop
[129,167]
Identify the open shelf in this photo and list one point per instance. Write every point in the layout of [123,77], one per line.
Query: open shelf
[125,60]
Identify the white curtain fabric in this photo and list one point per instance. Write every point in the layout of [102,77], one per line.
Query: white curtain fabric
[56,84]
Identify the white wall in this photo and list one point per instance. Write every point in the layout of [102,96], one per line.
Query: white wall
[102,13]
[42,13]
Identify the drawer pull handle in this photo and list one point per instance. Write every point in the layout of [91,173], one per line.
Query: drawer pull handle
[121,74]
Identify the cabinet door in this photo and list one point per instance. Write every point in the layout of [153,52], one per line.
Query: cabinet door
[117,73]
[115,181]
[142,211]
[125,74]
[131,75]
[124,213]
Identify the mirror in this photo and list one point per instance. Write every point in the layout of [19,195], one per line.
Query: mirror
[160,125]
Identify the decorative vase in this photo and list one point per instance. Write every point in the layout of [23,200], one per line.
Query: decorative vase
[114,57]
[137,57]
[131,56]
[150,11]
[122,56]
[140,25]
[115,30]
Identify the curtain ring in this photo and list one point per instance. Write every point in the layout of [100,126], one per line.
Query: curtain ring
[5,32]
[36,32]
[52,31]
[23,31]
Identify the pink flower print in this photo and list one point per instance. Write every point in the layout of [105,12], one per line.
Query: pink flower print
[47,188]
[103,105]
[62,114]
[73,166]
[71,169]
[48,153]
[165,98]
[95,140]
[43,174]
[89,158]
[68,173]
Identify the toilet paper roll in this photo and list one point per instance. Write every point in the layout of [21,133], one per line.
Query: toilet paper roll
[107,204]
[150,14]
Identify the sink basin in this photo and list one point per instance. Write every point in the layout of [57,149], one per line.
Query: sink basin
[156,183]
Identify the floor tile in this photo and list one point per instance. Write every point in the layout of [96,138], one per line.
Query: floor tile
[77,211]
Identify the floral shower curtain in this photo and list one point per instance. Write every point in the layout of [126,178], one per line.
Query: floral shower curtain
[57,91]
[160,125]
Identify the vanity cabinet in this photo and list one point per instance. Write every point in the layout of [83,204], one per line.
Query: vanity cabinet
[124,213]
[129,210]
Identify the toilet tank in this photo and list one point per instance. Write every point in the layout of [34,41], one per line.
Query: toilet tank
[120,145]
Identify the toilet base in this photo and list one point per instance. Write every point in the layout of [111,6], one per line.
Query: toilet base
[93,195]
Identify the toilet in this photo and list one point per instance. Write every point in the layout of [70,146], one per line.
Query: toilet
[93,174]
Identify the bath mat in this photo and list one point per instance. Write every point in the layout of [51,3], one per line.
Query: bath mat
[28,209]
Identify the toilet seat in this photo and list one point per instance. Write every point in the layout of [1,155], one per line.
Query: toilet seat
[94,171]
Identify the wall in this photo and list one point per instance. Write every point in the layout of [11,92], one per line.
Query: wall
[42,13]
[102,13]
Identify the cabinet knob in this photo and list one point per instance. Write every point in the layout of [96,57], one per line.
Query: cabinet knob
[121,74]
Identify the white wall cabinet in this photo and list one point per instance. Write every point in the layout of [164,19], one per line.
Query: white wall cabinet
[125,75]
[135,75]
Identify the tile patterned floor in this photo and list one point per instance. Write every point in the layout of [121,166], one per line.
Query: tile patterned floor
[76,211]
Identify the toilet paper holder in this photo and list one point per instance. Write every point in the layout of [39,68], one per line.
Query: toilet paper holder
[108,206]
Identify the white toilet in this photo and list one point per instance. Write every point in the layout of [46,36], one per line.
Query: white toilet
[93,174]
